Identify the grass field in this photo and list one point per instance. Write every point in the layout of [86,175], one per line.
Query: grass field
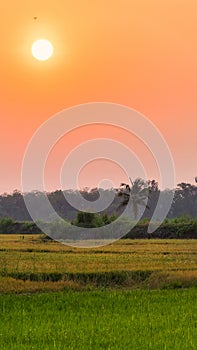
[29,264]
[155,320]
[133,294]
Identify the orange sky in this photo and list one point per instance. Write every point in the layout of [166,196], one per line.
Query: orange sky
[142,54]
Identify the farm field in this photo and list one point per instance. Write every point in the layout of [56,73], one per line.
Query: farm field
[140,319]
[132,294]
[27,264]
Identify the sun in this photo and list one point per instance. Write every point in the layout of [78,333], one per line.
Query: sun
[42,49]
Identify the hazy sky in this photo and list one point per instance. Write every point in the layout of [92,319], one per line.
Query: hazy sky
[140,53]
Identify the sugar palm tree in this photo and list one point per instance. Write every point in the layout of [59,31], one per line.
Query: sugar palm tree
[136,193]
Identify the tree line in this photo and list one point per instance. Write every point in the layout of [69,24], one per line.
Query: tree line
[184,201]
[181,227]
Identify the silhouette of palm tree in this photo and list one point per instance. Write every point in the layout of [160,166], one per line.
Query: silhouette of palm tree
[137,193]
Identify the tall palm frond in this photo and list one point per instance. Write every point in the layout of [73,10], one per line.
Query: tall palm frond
[137,193]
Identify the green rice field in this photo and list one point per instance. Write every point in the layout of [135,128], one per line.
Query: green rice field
[155,320]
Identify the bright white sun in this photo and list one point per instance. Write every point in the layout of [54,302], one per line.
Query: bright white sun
[42,49]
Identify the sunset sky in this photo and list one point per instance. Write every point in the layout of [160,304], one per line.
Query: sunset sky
[141,53]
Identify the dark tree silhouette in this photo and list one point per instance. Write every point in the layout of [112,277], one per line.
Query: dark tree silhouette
[137,193]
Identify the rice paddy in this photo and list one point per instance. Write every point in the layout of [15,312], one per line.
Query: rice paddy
[29,264]
[132,294]
[117,320]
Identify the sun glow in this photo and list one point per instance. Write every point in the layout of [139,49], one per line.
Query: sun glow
[42,49]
